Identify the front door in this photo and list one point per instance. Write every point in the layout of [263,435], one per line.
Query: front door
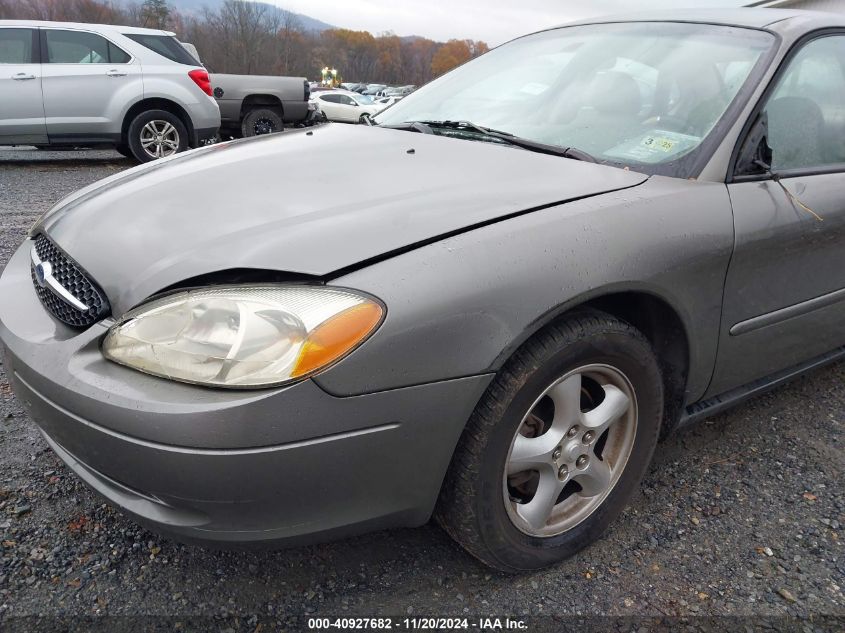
[785,289]
[87,82]
[350,111]
[21,105]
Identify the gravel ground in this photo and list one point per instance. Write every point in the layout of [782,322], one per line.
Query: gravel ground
[742,516]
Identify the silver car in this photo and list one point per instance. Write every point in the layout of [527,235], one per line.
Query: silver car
[559,252]
[138,90]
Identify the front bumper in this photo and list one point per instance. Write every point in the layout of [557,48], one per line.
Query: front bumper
[315,115]
[294,464]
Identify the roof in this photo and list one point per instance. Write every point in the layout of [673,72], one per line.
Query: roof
[334,91]
[85,26]
[745,17]
[808,5]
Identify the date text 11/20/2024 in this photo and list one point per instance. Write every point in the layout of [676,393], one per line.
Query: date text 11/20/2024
[417,624]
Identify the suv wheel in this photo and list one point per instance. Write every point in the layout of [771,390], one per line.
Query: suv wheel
[557,446]
[261,121]
[156,134]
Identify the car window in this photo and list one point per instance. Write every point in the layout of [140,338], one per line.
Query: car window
[79,47]
[118,55]
[16,46]
[165,45]
[806,110]
[346,100]
[330,98]
[643,95]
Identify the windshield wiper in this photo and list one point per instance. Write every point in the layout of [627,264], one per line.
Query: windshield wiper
[510,139]
[410,126]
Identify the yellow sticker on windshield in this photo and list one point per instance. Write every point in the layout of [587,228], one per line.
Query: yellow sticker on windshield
[655,146]
[659,143]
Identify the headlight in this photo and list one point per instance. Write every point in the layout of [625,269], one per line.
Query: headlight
[243,336]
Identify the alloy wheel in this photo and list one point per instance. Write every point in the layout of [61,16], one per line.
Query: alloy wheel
[264,126]
[159,139]
[570,450]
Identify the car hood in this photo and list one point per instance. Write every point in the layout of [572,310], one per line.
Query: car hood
[304,202]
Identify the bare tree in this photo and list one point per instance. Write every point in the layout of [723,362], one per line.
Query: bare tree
[245,34]
[155,14]
[255,38]
[289,34]
[5,10]
[97,11]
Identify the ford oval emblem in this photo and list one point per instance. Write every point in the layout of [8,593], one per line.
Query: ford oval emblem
[42,270]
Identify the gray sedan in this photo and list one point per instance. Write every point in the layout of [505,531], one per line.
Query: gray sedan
[562,251]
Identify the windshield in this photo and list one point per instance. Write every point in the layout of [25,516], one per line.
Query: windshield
[363,99]
[640,94]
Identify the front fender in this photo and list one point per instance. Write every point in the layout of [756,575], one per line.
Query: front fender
[462,305]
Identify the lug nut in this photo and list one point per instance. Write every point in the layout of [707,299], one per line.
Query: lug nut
[556,455]
[563,472]
[581,461]
[572,432]
[588,437]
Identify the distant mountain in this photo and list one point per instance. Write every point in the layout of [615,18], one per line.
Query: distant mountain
[195,6]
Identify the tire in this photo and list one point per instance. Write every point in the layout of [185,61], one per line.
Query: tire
[142,132]
[362,120]
[484,509]
[124,151]
[261,121]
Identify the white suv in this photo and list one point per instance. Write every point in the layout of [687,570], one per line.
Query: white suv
[138,90]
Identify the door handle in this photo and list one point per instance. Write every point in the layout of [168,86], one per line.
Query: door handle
[22,77]
[115,73]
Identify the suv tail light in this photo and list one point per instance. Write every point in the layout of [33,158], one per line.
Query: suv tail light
[201,79]
[307,89]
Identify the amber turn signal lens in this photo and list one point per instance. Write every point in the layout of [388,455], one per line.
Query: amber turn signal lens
[336,337]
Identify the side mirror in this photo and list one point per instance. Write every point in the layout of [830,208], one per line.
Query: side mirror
[755,155]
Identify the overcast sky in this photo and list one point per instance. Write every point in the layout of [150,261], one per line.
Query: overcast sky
[494,21]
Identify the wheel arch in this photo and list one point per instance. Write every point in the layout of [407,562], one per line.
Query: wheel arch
[652,314]
[157,103]
[264,100]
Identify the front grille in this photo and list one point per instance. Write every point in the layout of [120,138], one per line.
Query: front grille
[73,279]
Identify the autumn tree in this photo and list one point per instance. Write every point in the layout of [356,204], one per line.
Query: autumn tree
[454,53]
[478,47]
[417,55]
[355,53]
[389,65]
